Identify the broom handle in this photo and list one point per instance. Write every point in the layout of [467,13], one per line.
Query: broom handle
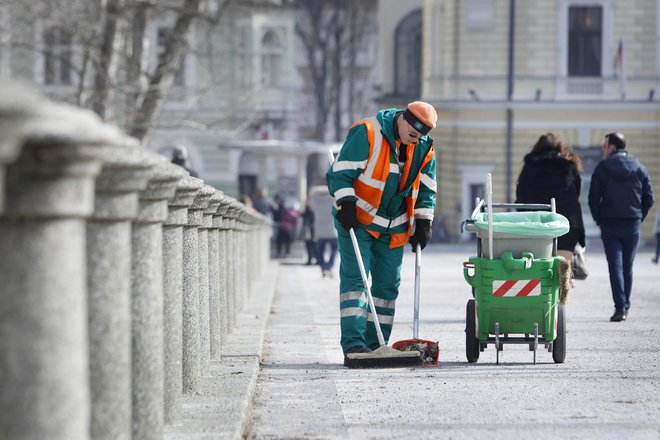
[372,306]
[418,268]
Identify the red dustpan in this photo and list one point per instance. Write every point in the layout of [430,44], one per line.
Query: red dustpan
[429,349]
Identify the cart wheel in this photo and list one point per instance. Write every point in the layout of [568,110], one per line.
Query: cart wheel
[471,341]
[559,344]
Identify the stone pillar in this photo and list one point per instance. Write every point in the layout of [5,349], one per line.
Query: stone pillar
[214,322]
[251,264]
[206,236]
[147,301]
[241,257]
[43,316]
[109,289]
[263,244]
[186,192]
[232,305]
[223,250]
[255,246]
[191,319]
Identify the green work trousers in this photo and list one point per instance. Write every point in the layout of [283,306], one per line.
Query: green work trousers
[384,264]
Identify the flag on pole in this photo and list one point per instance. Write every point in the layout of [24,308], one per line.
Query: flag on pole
[620,70]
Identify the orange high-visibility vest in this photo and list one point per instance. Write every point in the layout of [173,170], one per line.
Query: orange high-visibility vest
[370,184]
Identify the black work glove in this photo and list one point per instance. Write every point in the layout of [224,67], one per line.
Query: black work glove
[422,234]
[347,215]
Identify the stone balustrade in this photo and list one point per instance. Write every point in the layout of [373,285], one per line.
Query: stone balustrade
[121,276]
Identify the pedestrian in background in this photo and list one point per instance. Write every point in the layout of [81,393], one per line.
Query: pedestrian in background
[262,203]
[620,198]
[286,218]
[320,202]
[656,230]
[383,183]
[551,170]
[180,157]
[309,232]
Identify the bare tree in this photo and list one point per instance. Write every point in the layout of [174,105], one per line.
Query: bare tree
[112,67]
[333,33]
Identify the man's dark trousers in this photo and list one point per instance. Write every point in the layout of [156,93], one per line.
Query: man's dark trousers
[620,239]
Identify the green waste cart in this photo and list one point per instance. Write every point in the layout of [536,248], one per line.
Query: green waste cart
[516,290]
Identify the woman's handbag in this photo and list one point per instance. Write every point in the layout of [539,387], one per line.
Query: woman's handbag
[579,263]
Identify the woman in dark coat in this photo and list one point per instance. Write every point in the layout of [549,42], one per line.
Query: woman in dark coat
[551,169]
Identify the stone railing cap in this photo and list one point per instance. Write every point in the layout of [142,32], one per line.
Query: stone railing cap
[214,202]
[202,199]
[190,183]
[18,100]
[125,156]
[64,123]
[17,105]
[165,171]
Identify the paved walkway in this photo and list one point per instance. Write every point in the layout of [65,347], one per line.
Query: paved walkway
[609,386]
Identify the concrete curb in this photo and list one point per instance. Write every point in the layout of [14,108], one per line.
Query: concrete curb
[221,409]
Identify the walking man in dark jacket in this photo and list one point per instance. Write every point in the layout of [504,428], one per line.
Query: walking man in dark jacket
[620,197]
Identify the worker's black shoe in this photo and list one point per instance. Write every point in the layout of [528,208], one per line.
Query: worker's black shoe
[355,350]
[619,315]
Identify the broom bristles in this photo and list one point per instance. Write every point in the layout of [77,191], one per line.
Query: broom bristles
[383,357]
[565,275]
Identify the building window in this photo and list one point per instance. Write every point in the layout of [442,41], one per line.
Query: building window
[408,55]
[480,15]
[271,59]
[162,36]
[245,69]
[585,41]
[58,55]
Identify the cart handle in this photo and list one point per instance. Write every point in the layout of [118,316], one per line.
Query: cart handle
[517,263]
[467,267]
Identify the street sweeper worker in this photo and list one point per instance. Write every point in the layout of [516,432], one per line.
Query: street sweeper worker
[383,185]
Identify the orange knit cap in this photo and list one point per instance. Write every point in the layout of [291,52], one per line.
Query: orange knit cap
[421,116]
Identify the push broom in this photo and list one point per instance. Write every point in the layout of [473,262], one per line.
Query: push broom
[383,356]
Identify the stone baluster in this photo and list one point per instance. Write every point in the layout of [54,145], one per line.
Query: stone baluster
[256,244]
[215,304]
[191,286]
[265,228]
[245,269]
[173,267]
[123,175]
[232,265]
[208,255]
[148,300]
[44,361]
[223,263]
[252,264]
[257,231]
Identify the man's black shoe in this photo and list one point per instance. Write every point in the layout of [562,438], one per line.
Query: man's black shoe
[356,350]
[625,314]
[619,315]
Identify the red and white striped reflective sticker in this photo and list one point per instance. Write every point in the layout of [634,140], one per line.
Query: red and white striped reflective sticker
[516,287]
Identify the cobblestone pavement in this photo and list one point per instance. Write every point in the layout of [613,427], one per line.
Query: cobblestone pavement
[609,386]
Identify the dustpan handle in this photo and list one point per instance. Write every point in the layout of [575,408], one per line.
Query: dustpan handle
[418,268]
[365,281]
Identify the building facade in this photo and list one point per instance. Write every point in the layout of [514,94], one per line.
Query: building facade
[237,80]
[503,72]
[241,101]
